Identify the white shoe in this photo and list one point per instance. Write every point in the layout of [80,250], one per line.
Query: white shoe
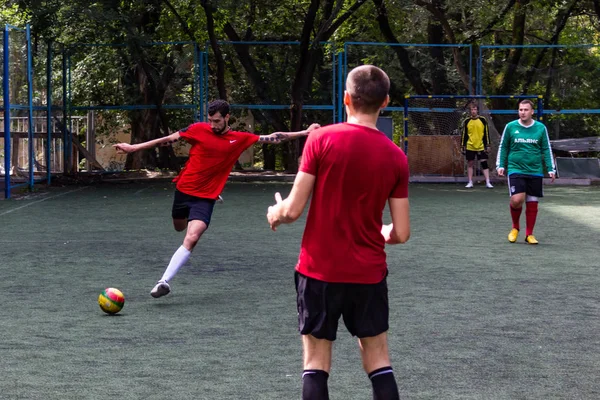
[488,185]
[162,288]
[220,199]
[469,185]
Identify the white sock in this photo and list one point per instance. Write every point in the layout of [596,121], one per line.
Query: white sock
[177,261]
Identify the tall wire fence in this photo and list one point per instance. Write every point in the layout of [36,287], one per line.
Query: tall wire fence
[65,105]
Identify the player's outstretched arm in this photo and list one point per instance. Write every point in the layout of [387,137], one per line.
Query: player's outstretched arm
[279,137]
[399,230]
[163,141]
[289,210]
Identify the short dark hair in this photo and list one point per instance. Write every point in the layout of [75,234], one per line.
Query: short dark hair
[473,104]
[368,87]
[220,106]
[527,101]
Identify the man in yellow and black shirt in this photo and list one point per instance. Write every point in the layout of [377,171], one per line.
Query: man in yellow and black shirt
[475,144]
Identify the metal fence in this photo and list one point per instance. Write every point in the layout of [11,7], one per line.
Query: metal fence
[62,84]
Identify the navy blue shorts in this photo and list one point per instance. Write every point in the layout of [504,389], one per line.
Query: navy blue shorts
[191,208]
[364,307]
[528,184]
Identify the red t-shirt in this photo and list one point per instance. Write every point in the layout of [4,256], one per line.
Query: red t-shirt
[211,158]
[357,169]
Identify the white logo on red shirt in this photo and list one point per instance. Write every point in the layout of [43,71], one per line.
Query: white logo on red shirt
[232,141]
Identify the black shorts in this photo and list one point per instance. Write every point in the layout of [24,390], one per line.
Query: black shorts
[364,307]
[472,155]
[191,208]
[528,184]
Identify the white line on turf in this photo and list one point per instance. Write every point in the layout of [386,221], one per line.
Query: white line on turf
[140,191]
[39,201]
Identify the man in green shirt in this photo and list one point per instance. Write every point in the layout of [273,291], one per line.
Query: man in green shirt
[523,154]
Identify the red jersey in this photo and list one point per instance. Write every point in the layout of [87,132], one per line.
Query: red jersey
[211,158]
[357,169]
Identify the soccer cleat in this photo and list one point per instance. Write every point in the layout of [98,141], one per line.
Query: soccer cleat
[531,239]
[488,185]
[162,288]
[469,185]
[512,236]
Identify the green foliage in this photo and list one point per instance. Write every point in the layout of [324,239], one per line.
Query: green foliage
[133,73]
[11,13]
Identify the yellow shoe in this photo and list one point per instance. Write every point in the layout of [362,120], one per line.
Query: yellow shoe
[513,235]
[531,239]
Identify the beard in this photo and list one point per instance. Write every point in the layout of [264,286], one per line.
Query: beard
[220,131]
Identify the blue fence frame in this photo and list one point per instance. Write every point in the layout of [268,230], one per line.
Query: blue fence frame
[8,107]
[201,88]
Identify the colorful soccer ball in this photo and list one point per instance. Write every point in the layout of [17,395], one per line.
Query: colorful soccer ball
[111,300]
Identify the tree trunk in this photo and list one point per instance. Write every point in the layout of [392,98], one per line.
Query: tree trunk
[259,83]
[268,157]
[439,79]
[141,127]
[412,74]
[560,24]
[508,80]
[214,44]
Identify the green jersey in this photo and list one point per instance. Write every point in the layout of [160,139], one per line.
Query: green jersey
[525,149]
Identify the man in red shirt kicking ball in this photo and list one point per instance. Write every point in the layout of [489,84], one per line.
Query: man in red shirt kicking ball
[352,170]
[215,148]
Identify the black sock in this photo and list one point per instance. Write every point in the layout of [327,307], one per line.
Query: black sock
[314,385]
[384,384]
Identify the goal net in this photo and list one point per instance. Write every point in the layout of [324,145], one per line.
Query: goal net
[433,132]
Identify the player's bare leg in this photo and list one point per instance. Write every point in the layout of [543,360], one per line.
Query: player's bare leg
[317,364]
[376,362]
[195,229]
[486,174]
[470,173]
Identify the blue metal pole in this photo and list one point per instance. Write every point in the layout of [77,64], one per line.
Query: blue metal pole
[340,87]
[205,81]
[470,69]
[69,122]
[540,109]
[30,104]
[6,88]
[345,70]
[479,73]
[196,90]
[64,105]
[333,83]
[406,124]
[201,86]
[206,99]
[49,112]
[462,96]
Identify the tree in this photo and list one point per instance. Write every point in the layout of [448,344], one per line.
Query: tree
[321,20]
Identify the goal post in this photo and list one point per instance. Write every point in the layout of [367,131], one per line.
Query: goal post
[432,133]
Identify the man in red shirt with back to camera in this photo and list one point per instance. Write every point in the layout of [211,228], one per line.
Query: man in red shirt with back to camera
[215,149]
[352,170]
